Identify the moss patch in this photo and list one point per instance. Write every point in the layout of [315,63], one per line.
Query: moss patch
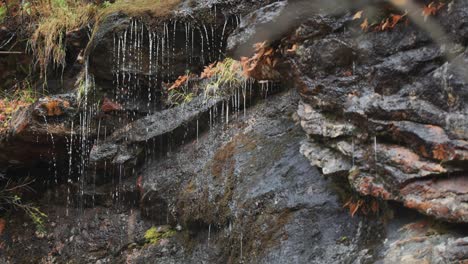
[154,234]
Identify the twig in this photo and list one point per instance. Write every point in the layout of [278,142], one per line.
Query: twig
[11,52]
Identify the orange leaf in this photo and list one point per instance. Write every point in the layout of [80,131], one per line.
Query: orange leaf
[292,49]
[429,10]
[395,19]
[365,25]
[358,15]
[385,24]
[179,82]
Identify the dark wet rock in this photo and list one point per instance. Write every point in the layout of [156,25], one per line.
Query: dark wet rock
[240,192]
[413,239]
[127,143]
[38,133]
[248,187]
[255,28]
[384,112]
[388,109]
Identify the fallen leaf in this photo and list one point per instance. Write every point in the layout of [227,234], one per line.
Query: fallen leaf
[358,15]
[429,10]
[292,49]
[179,82]
[365,25]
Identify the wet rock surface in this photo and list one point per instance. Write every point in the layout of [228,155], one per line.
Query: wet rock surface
[240,192]
[388,109]
[381,113]
[38,133]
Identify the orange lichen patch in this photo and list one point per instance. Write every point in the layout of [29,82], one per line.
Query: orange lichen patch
[109,106]
[412,240]
[54,106]
[436,133]
[409,161]
[418,226]
[430,208]
[366,186]
[441,152]
[223,160]
[423,151]
[457,185]
[443,198]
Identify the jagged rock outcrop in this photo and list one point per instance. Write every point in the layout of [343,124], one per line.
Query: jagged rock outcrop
[388,110]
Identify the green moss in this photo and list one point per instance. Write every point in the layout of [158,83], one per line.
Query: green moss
[153,235]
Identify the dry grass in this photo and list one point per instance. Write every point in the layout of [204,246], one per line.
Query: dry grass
[154,8]
[223,76]
[56,18]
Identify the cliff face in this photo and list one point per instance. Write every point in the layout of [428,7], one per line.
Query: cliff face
[333,114]
[388,110]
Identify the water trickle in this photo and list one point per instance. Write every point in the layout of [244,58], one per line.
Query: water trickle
[375,149]
[222,38]
[197,131]
[209,234]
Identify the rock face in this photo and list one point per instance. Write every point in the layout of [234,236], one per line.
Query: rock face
[388,110]
[37,134]
[382,115]
[240,192]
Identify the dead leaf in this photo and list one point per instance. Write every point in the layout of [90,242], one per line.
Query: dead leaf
[429,10]
[179,82]
[292,49]
[365,25]
[358,15]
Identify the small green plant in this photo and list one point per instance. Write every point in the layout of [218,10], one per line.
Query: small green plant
[106,4]
[22,95]
[10,199]
[154,235]
[178,97]
[223,77]
[3,13]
